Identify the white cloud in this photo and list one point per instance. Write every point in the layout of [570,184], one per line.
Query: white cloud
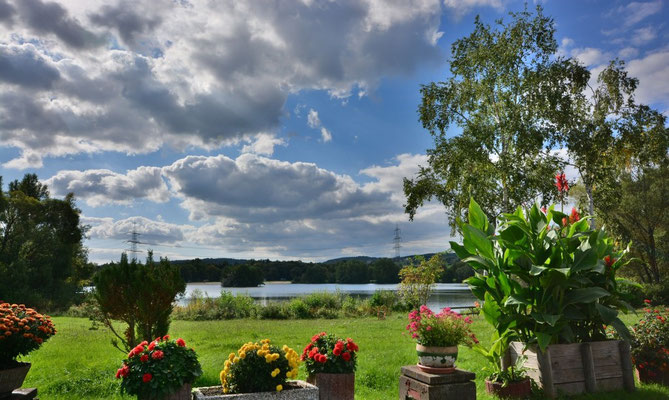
[643,35]
[590,56]
[134,77]
[326,136]
[636,12]
[652,72]
[263,143]
[312,119]
[100,186]
[628,52]
[151,231]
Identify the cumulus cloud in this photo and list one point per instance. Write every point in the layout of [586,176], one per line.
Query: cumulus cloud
[152,231]
[100,186]
[312,119]
[652,71]
[263,143]
[326,136]
[636,12]
[136,76]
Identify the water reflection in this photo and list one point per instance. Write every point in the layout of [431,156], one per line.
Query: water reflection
[453,295]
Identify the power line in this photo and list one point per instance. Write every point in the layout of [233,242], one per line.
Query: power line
[134,241]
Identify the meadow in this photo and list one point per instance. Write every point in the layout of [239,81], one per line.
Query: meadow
[80,363]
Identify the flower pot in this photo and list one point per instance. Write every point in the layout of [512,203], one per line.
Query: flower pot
[334,386]
[652,375]
[437,357]
[184,393]
[513,390]
[293,390]
[12,378]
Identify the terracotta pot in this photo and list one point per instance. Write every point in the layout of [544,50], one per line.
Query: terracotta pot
[184,393]
[334,386]
[437,357]
[646,375]
[513,390]
[12,378]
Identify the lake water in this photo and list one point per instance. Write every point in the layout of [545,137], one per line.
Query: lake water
[455,295]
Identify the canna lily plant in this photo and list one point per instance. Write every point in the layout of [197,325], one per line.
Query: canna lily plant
[544,276]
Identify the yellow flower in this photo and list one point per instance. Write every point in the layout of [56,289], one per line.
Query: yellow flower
[231,356]
[279,388]
[242,354]
[235,360]
[275,372]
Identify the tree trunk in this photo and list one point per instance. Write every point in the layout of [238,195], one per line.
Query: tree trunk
[591,204]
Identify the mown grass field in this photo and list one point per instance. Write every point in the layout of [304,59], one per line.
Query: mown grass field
[79,363]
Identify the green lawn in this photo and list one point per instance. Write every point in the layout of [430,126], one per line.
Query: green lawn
[79,363]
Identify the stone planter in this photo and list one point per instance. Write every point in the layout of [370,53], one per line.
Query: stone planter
[334,386]
[646,375]
[293,390]
[12,378]
[184,393]
[437,357]
[513,390]
[577,368]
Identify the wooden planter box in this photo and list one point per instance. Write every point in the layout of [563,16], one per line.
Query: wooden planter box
[293,390]
[334,386]
[578,367]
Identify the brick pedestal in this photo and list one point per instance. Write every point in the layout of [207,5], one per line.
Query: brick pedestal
[418,385]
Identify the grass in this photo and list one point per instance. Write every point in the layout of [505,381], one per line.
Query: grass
[79,363]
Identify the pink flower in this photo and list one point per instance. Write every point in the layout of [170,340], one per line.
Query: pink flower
[429,328]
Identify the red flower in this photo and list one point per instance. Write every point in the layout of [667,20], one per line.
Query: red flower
[647,302]
[118,373]
[561,183]
[166,337]
[574,216]
[564,221]
[147,378]
[123,372]
[322,359]
[346,356]
[157,355]
[181,342]
[609,261]
[152,345]
[144,343]
[544,210]
[336,351]
[144,358]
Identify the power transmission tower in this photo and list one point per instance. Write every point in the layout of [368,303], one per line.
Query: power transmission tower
[134,241]
[397,239]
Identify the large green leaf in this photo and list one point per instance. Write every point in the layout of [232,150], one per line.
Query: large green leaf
[512,234]
[584,260]
[543,340]
[608,314]
[516,299]
[477,217]
[460,250]
[621,328]
[490,309]
[478,262]
[474,238]
[585,295]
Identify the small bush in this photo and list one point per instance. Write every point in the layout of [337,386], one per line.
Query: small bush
[631,292]
[657,293]
[328,300]
[299,309]
[274,310]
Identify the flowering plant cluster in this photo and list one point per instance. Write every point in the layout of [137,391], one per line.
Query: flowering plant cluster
[650,344]
[22,330]
[446,328]
[259,367]
[156,369]
[330,354]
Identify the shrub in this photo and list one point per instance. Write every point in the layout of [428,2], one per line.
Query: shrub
[235,306]
[299,309]
[330,354]
[418,280]
[632,292]
[22,330]
[259,367]
[447,328]
[154,370]
[140,295]
[657,293]
[545,276]
[274,310]
[650,344]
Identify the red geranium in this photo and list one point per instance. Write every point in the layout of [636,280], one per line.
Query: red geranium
[147,377]
[144,358]
[181,342]
[157,355]
[329,354]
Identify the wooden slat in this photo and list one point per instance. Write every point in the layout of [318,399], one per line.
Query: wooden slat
[567,375]
[609,384]
[588,368]
[609,371]
[570,388]
[626,365]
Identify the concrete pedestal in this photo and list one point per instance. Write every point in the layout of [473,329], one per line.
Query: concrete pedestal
[418,385]
[24,394]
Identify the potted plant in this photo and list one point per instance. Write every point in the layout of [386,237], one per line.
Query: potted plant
[505,381]
[161,370]
[258,371]
[551,280]
[330,363]
[650,345]
[438,336]
[22,330]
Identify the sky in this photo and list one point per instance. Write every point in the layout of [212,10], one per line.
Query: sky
[259,129]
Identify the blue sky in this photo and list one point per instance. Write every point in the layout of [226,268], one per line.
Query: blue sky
[259,129]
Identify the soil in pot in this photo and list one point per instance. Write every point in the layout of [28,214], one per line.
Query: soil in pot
[334,386]
[12,378]
[513,390]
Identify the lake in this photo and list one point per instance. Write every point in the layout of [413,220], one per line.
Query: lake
[455,295]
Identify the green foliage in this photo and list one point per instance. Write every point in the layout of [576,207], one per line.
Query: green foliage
[22,330]
[139,295]
[650,340]
[657,293]
[242,275]
[384,270]
[42,260]
[545,277]
[507,85]
[418,280]
[227,306]
[259,367]
[157,369]
[330,354]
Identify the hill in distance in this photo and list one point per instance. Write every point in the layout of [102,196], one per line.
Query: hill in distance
[449,258]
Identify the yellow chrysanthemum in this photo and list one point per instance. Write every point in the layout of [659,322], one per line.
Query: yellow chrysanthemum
[279,388]
[275,372]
